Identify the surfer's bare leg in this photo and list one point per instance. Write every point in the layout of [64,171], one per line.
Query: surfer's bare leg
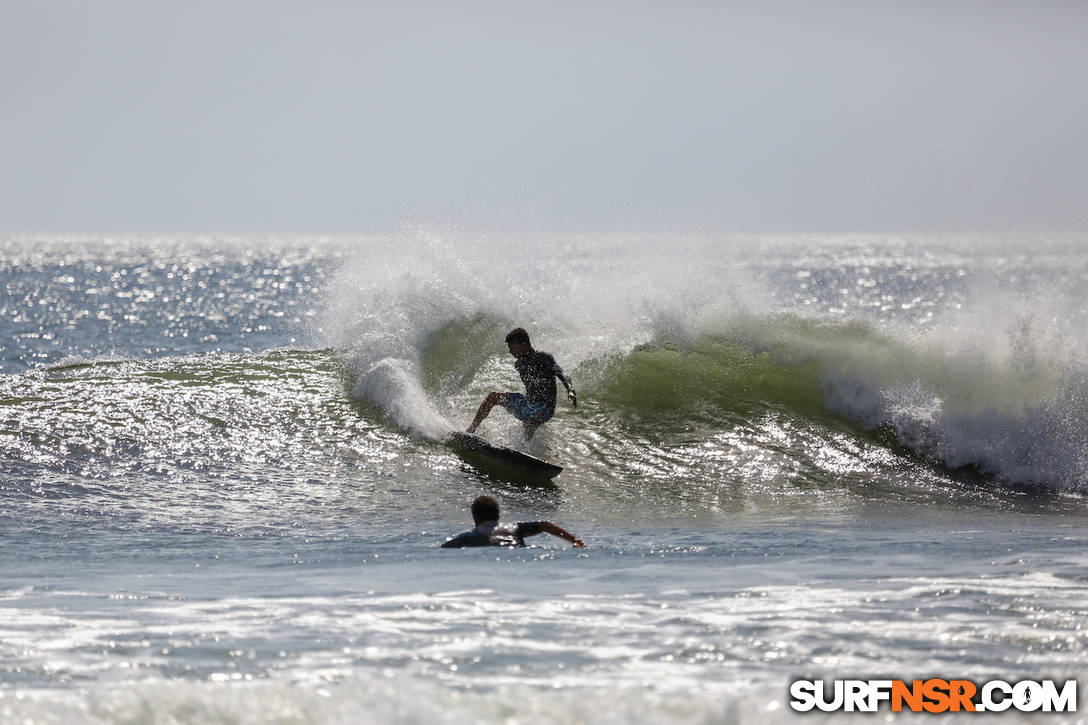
[490,402]
[531,425]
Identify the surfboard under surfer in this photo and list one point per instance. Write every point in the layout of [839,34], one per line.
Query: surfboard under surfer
[489,532]
[538,371]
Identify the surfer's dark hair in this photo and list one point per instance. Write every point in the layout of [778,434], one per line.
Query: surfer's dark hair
[517,335]
[485,508]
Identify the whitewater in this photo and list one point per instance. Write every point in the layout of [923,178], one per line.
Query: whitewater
[223,482]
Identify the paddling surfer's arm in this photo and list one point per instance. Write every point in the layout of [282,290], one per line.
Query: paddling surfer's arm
[567,383]
[547,527]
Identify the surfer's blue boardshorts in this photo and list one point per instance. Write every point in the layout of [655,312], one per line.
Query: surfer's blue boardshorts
[523,409]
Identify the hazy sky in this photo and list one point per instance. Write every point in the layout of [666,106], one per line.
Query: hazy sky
[239,115]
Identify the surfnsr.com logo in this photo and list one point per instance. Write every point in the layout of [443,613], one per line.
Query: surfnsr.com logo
[933,695]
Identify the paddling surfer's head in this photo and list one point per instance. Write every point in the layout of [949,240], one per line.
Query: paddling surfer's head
[484,509]
[518,342]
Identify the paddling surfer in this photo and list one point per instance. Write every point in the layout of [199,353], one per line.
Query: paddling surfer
[489,532]
[538,371]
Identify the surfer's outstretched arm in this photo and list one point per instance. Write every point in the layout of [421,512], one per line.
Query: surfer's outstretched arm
[567,383]
[547,527]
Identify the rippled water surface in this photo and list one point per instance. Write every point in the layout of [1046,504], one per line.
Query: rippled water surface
[223,482]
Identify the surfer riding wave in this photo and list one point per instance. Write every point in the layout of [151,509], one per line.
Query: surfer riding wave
[538,371]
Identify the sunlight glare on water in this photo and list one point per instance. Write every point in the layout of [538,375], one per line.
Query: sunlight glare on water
[224,486]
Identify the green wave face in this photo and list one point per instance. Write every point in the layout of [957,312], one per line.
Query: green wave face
[710,378]
[838,383]
[704,379]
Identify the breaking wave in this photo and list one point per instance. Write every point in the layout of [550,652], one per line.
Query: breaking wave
[990,378]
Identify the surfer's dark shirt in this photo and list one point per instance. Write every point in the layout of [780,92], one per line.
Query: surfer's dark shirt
[490,533]
[538,371]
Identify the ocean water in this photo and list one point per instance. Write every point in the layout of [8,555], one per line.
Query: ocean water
[223,486]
